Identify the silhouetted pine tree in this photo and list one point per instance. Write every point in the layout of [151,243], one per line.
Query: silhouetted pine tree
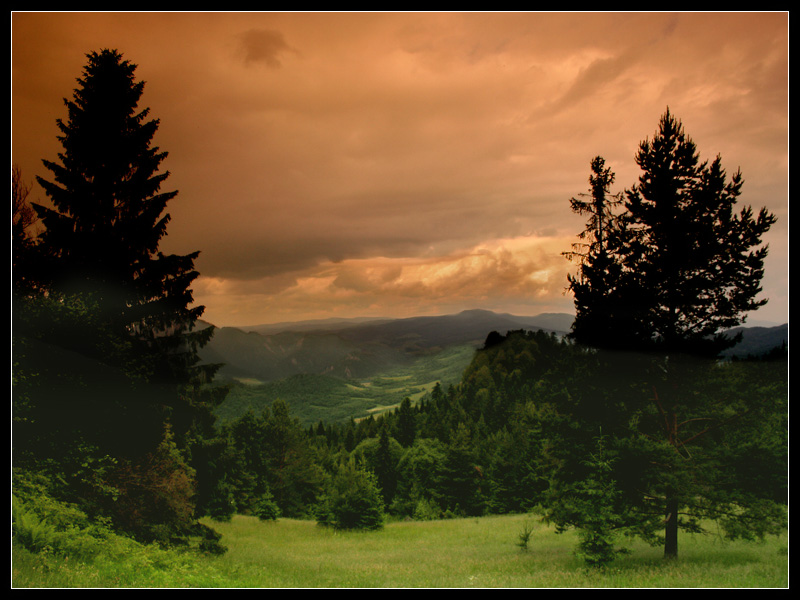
[662,280]
[107,342]
[679,264]
[101,242]
[604,307]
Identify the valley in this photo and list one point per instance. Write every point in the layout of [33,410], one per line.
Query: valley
[333,370]
[319,397]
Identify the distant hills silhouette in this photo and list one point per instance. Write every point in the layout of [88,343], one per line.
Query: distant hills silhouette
[359,348]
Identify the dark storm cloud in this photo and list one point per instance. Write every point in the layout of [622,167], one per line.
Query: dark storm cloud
[263,46]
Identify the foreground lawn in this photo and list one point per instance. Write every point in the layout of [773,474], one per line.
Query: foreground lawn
[477,553]
[480,553]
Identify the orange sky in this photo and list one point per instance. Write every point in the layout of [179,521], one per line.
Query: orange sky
[360,164]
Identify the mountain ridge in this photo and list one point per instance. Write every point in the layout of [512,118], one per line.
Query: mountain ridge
[359,348]
[362,347]
[337,369]
[563,320]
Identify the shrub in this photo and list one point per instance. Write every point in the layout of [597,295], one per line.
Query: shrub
[265,508]
[525,536]
[352,500]
[43,525]
[209,540]
[154,496]
[221,505]
[426,510]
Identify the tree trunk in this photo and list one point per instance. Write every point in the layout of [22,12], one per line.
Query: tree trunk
[671,512]
[671,529]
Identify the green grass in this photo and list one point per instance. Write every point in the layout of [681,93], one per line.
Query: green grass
[479,553]
[459,553]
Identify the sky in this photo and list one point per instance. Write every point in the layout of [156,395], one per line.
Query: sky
[404,164]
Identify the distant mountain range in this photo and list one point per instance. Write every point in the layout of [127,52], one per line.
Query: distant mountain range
[758,340]
[361,348]
[356,348]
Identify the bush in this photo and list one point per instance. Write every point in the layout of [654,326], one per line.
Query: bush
[266,509]
[426,510]
[43,525]
[221,505]
[525,536]
[352,500]
[209,540]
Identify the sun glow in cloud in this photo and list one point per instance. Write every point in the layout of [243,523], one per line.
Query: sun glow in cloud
[527,273]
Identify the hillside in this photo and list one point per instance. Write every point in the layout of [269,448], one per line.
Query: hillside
[333,370]
[758,340]
[423,334]
[359,348]
[353,350]
[250,355]
[313,398]
[337,369]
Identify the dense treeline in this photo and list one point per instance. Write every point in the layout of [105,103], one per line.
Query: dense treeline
[467,450]
[491,444]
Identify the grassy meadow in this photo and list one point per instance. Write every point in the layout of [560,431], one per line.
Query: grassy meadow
[459,553]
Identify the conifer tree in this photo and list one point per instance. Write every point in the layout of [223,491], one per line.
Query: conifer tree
[459,479]
[101,238]
[352,500]
[701,262]
[106,341]
[406,423]
[604,314]
[679,265]
[385,467]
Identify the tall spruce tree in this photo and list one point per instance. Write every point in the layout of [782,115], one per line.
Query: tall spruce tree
[698,261]
[662,282]
[385,467]
[406,423]
[101,238]
[679,263]
[106,344]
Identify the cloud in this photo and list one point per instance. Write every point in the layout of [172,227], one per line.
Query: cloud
[527,272]
[387,159]
[263,46]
